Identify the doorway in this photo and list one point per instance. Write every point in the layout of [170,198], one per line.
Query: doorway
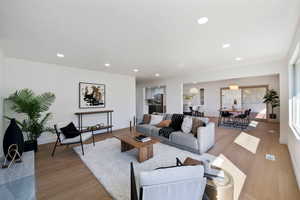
[247,97]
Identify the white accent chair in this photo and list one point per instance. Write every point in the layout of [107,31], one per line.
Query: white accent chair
[174,183]
[62,140]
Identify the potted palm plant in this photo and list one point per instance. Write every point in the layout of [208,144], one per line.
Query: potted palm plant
[272,98]
[35,119]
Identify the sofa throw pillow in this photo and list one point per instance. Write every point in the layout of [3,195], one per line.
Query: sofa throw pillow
[156,119]
[196,124]
[164,123]
[187,124]
[177,120]
[146,119]
[70,131]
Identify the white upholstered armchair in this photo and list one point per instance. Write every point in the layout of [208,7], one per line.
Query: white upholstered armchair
[174,183]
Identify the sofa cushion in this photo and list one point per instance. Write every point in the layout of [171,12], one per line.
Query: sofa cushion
[196,124]
[164,123]
[155,131]
[166,131]
[187,124]
[156,119]
[144,128]
[177,120]
[146,119]
[184,139]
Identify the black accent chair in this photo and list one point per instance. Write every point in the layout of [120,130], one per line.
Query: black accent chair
[225,118]
[62,140]
[243,120]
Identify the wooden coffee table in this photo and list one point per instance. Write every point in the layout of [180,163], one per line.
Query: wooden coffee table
[145,149]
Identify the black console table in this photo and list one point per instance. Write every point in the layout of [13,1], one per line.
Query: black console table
[108,125]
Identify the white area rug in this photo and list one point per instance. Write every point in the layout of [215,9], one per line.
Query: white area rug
[112,168]
[247,141]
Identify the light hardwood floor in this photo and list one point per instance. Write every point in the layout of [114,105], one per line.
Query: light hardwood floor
[66,177]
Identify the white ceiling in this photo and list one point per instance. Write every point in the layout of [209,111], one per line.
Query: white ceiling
[153,35]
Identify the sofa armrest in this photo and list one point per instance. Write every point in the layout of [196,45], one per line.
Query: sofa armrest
[206,137]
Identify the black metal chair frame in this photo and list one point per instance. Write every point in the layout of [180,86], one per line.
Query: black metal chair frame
[225,118]
[241,121]
[58,141]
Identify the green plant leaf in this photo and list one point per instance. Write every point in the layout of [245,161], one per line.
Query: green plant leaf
[26,102]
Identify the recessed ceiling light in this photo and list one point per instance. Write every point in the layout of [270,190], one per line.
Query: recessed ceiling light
[60,55]
[136,70]
[203,20]
[107,64]
[238,58]
[224,46]
[157,74]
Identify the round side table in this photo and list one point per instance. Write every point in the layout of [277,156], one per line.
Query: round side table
[216,189]
[220,189]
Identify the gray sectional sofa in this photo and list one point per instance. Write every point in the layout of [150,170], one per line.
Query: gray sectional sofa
[204,141]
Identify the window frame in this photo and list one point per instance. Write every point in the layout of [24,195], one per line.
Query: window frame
[293,108]
[294,60]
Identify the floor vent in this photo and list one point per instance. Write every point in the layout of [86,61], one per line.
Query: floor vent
[270,157]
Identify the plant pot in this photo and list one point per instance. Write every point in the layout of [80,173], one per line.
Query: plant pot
[272,116]
[31,145]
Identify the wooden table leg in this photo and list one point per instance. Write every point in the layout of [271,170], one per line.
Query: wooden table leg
[125,146]
[145,153]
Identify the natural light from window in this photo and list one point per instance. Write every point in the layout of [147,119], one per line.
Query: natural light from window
[248,142]
[295,93]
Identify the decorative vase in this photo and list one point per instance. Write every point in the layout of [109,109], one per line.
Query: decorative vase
[13,135]
[31,145]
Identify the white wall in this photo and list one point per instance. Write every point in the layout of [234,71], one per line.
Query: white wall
[1,100]
[293,138]
[64,82]
[212,90]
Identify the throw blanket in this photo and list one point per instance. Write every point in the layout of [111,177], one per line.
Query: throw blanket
[177,120]
[166,131]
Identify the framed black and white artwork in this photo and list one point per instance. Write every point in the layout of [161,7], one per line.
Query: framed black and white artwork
[91,95]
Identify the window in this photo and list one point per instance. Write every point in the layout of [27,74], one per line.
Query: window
[231,98]
[295,97]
